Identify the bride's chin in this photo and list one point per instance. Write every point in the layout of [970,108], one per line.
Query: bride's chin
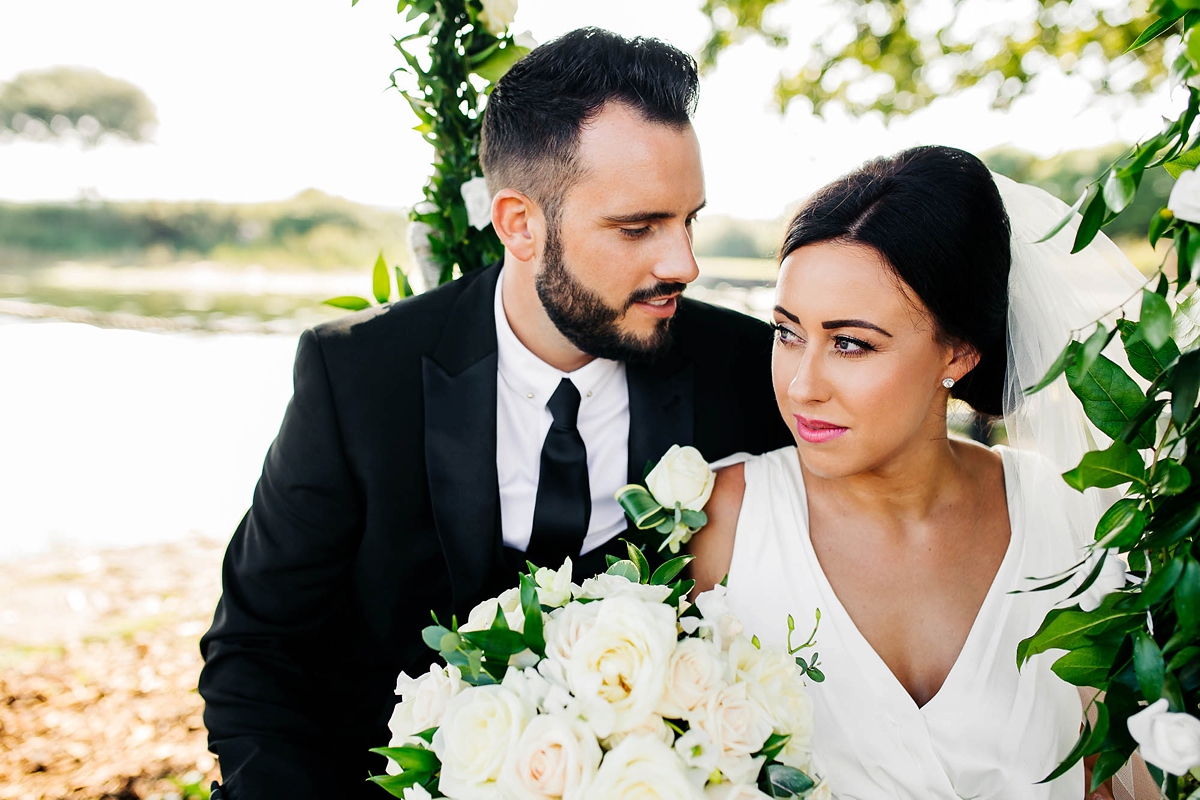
[825,465]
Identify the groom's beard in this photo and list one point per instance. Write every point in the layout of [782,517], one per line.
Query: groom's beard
[587,321]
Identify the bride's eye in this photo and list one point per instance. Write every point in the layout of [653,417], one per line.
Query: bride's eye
[851,347]
[786,336]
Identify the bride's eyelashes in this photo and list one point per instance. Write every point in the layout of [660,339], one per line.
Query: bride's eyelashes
[846,346]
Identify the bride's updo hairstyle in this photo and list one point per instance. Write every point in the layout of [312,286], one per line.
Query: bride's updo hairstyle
[935,216]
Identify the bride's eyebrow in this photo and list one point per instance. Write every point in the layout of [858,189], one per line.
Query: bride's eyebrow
[834,324]
[788,314]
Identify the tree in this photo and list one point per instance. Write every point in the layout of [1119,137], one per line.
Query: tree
[897,56]
[65,99]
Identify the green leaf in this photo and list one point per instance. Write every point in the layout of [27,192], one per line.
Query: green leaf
[679,590]
[1107,765]
[1171,478]
[1119,189]
[381,282]
[1119,464]
[1110,398]
[1159,224]
[411,758]
[1070,629]
[348,302]
[1148,663]
[1185,384]
[625,569]
[1160,584]
[534,632]
[1064,360]
[404,287]
[1121,525]
[640,506]
[1187,596]
[1087,666]
[499,62]
[780,780]
[1185,162]
[1090,350]
[1146,361]
[774,745]
[1153,31]
[1155,320]
[432,636]
[693,519]
[669,569]
[1073,757]
[1062,223]
[1188,655]
[1093,218]
[639,560]
[496,643]
[396,784]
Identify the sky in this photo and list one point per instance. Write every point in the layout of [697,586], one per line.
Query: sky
[261,100]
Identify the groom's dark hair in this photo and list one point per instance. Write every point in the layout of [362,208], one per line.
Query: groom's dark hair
[534,114]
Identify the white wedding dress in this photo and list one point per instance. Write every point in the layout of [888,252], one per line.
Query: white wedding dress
[990,732]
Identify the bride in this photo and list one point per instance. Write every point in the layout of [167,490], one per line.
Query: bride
[903,285]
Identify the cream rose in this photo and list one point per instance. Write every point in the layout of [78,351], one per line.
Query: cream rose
[719,622]
[483,615]
[564,628]
[604,586]
[556,756]
[423,703]
[1184,202]
[696,750]
[773,680]
[738,726]
[497,15]
[416,792]
[681,476]
[480,728]
[1168,740]
[617,667]
[653,726]
[644,768]
[478,200]
[696,670]
[734,791]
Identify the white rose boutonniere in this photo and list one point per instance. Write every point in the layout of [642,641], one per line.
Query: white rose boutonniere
[1184,202]
[1168,740]
[497,15]
[672,500]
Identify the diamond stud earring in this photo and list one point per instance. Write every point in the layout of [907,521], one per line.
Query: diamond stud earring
[948,383]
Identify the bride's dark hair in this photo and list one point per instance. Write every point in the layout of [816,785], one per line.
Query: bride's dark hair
[936,217]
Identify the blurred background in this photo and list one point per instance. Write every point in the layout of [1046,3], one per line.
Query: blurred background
[181,186]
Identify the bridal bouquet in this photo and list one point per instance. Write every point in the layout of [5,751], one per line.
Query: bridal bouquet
[616,687]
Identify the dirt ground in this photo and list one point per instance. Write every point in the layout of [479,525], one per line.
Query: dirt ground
[98,669]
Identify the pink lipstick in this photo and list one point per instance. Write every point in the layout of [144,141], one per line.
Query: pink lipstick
[816,431]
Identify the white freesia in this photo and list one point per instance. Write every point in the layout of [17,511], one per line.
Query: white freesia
[480,728]
[604,586]
[653,726]
[617,667]
[773,680]
[1184,202]
[554,586]
[556,756]
[478,200]
[1110,579]
[681,476]
[1168,740]
[483,615]
[643,767]
[497,15]
[697,669]
[416,792]
[696,749]
[680,535]
[719,622]
[734,791]
[528,684]
[738,726]
[423,703]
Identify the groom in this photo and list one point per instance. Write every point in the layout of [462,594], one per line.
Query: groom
[432,445]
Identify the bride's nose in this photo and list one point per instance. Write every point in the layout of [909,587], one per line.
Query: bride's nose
[809,383]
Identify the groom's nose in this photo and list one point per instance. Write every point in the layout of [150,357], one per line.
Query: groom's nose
[677,263]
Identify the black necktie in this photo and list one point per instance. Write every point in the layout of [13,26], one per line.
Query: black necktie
[564,501]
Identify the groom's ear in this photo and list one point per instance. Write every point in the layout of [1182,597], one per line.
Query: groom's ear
[519,223]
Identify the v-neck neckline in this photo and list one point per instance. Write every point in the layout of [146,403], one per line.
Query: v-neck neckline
[1015,544]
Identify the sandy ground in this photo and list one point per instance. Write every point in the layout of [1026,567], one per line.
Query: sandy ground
[98,670]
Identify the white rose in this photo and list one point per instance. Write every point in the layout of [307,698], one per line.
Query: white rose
[696,670]
[1184,202]
[480,728]
[554,586]
[821,792]
[642,767]
[416,792]
[564,628]
[618,666]
[1110,579]
[497,15]
[478,200]
[681,476]
[483,615]
[697,751]
[733,791]
[738,726]
[653,726]
[1168,740]
[775,682]
[605,586]
[718,621]
[422,704]
[555,757]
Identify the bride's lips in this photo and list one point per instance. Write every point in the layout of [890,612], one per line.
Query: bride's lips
[815,431]
[662,307]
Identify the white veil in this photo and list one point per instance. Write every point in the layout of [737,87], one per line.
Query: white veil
[1054,295]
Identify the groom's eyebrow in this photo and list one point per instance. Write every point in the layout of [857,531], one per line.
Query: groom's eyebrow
[647,216]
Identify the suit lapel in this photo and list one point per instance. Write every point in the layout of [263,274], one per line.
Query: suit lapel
[661,411]
[459,380]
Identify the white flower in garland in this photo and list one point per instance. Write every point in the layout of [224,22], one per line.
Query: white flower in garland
[1168,740]
[1111,578]
[478,201]
[497,15]
[1184,202]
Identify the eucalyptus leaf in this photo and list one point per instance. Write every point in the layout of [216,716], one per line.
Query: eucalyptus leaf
[433,635]
[780,780]
[1110,398]
[1119,464]
[625,569]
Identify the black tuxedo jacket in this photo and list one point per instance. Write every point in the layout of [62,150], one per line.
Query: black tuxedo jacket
[379,502]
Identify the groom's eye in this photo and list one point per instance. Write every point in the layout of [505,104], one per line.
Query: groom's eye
[635,233]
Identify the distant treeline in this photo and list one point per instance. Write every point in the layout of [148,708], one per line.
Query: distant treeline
[311,229]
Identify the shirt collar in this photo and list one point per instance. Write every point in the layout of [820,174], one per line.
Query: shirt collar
[533,378]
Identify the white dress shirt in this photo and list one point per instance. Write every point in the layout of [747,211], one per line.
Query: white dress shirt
[523,388]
